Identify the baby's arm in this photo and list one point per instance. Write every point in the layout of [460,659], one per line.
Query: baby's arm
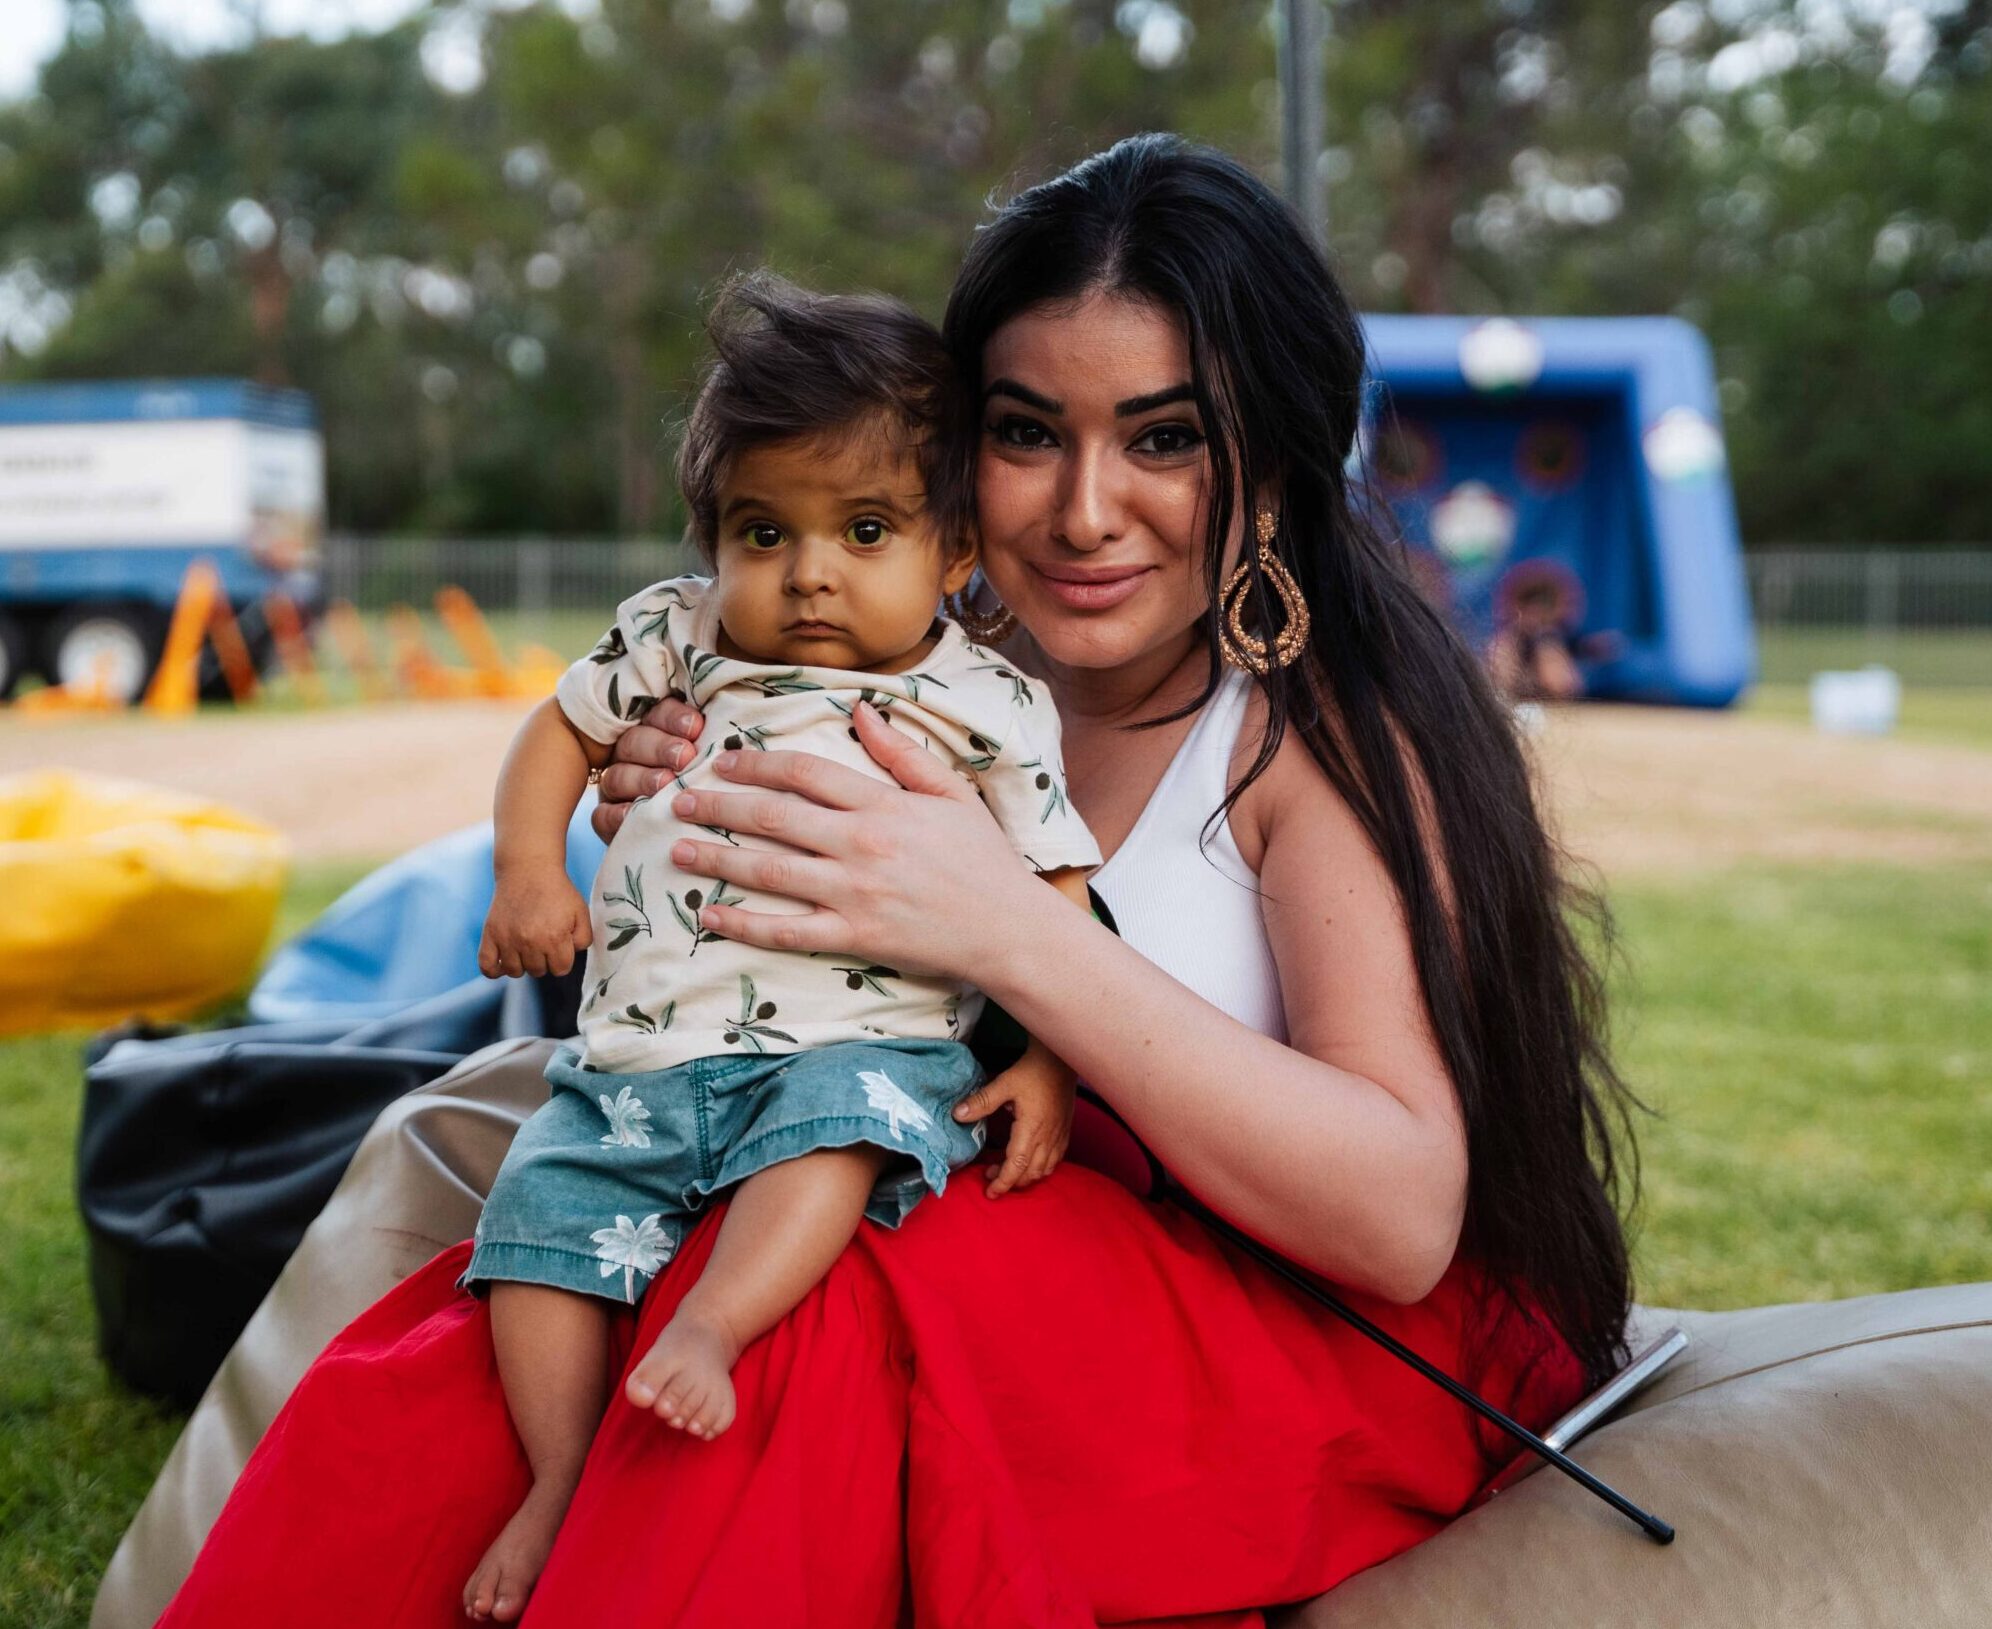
[538,919]
[1038,1089]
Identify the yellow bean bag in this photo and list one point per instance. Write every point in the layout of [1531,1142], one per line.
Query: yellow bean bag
[120,900]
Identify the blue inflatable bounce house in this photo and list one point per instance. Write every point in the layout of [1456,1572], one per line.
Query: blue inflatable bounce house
[1570,470]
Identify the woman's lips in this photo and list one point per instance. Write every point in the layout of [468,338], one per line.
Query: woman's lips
[1095,590]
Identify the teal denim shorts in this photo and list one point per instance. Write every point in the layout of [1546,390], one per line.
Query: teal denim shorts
[601,1184]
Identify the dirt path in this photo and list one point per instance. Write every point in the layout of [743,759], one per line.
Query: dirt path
[1634,789]
[1648,789]
[344,784]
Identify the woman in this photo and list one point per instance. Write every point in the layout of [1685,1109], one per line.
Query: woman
[1347,1011]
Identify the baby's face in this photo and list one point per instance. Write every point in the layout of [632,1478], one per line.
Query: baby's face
[826,557]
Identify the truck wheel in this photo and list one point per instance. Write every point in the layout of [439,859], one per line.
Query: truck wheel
[13,654]
[122,641]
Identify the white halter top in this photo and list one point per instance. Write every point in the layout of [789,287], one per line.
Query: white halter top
[1191,906]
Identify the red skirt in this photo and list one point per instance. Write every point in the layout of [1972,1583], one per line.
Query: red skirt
[1065,1407]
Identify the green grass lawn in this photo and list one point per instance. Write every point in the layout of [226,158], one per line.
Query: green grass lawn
[1958,716]
[1922,656]
[77,1451]
[1818,1043]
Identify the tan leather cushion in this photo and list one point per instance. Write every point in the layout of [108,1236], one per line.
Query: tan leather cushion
[1823,1465]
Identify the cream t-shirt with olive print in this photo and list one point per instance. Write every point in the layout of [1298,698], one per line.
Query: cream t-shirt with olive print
[660,990]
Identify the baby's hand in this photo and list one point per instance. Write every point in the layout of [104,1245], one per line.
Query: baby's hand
[1039,1090]
[537,923]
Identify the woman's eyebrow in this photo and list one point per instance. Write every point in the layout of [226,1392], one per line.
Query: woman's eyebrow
[1185,392]
[1024,394]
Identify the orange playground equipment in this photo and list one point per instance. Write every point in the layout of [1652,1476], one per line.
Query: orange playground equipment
[203,622]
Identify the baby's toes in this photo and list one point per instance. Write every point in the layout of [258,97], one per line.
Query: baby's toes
[678,1403]
[718,1412]
[511,1599]
[648,1380]
[481,1592]
[702,1418]
[710,1410]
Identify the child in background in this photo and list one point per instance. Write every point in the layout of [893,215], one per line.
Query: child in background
[816,1089]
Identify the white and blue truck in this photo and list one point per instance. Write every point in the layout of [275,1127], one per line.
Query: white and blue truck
[109,491]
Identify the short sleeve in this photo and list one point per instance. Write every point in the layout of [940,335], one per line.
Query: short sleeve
[630,669]
[1025,789]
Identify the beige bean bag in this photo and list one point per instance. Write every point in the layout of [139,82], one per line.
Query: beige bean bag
[1825,1465]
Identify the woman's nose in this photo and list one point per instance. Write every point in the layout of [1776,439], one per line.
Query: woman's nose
[1091,504]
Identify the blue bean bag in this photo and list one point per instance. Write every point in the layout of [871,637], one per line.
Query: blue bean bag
[406,933]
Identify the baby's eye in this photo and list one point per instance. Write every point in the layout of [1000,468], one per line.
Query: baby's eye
[761,535]
[1013,430]
[1169,440]
[867,532]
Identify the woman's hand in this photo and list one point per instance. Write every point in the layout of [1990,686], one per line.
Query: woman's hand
[917,874]
[646,757]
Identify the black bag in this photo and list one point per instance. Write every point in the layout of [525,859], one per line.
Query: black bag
[204,1156]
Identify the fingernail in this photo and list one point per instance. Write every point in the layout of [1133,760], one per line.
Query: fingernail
[684,803]
[682,853]
[708,919]
[679,756]
[657,781]
[726,761]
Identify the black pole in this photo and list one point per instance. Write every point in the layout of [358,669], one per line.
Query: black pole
[1303,124]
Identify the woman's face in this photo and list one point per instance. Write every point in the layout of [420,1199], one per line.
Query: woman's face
[1092,480]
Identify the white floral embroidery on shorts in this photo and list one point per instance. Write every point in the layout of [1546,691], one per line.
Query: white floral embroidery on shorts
[882,1093]
[634,1247]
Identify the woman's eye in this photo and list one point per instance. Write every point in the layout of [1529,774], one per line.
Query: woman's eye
[1015,431]
[866,532]
[1169,440]
[764,536]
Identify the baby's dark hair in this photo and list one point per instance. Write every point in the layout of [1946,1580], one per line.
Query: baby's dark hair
[788,362]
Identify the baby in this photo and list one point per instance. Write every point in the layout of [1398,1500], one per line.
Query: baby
[816,1090]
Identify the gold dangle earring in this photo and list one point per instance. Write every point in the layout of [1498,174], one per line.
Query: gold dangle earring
[982,627]
[1242,649]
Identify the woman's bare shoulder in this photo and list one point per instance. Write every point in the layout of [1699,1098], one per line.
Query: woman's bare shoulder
[1294,800]
[1292,794]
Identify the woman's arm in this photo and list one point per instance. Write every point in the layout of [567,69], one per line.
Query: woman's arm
[1343,1150]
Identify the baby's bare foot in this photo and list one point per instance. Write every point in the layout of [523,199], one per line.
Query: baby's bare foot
[505,1577]
[685,1379]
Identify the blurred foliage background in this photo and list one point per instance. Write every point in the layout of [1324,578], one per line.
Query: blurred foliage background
[482,238]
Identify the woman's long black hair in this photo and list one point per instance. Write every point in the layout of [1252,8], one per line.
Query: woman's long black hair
[1278,364]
